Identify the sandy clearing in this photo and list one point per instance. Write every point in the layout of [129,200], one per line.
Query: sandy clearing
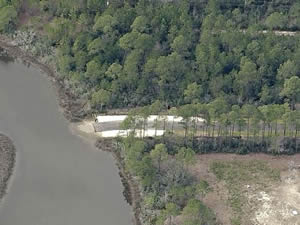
[277,204]
[125,133]
[281,205]
[86,128]
[151,118]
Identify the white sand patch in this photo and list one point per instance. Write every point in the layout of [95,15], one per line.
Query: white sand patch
[86,127]
[138,133]
[151,118]
[281,206]
[103,119]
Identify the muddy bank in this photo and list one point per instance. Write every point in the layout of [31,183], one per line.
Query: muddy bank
[73,108]
[7,162]
[131,191]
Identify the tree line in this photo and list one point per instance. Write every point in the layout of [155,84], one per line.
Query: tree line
[120,54]
[220,119]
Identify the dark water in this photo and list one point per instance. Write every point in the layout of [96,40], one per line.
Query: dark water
[59,179]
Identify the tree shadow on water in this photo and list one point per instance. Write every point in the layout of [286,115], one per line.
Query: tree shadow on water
[4,57]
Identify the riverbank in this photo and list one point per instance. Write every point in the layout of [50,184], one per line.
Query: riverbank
[72,108]
[7,162]
[131,190]
[74,112]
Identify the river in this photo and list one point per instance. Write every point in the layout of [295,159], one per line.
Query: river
[59,178]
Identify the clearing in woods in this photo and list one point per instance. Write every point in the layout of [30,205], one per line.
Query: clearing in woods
[252,189]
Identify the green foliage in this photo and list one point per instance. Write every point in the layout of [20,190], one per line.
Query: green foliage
[181,46]
[140,24]
[159,154]
[93,69]
[202,188]
[105,23]
[291,89]
[276,21]
[204,145]
[58,29]
[114,71]
[8,15]
[192,92]
[134,155]
[100,97]
[247,79]
[169,212]
[65,64]
[175,52]
[186,156]
[167,185]
[287,70]
[196,213]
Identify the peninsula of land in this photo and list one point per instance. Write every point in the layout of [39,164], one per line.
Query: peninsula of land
[7,162]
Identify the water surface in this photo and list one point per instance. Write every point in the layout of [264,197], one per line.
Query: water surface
[59,179]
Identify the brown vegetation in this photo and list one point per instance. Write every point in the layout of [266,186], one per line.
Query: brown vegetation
[264,197]
[7,162]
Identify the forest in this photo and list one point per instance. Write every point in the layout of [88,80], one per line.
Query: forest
[125,54]
[220,119]
[122,54]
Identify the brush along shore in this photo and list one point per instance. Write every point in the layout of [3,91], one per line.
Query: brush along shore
[7,162]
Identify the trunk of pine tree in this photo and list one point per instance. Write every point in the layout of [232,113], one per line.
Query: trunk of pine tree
[263,130]
[271,130]
[219,130]
[173,126]
[195,129]
[240,131]
[248,128]
[144,128]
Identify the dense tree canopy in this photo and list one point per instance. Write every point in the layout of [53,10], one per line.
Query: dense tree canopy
[8,14]
[177,52]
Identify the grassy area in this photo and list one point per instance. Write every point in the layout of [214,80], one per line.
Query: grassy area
[240,175]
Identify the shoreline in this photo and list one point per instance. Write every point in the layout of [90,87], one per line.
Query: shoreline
[72,109]
[131,191]
[73,112]
[7,163]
